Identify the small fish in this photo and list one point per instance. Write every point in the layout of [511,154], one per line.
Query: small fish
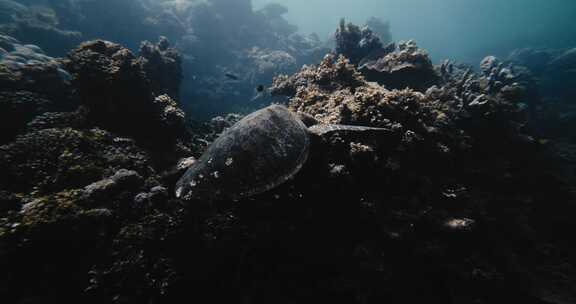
[232,76]
[261,93]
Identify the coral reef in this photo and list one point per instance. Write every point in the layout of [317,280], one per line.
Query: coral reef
[274,12]
[38,25]
[161,60]
[356,43]
[457,170]
[460,202]
[65,158]
[405,67]
[67,177]
[115,84]
[27,67]
[249,44]
[215,37]
[268,63]
[31,83]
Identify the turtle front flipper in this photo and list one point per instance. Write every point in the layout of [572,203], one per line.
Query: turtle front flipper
[322,130]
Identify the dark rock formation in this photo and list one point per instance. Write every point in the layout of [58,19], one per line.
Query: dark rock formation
[68,182]
[163,67]
[115,85]
[274,12]
[356,43]
[405,67]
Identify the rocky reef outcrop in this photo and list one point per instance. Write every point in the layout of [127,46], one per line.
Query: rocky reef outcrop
[356,43]
[31,83]
[458,168]
[114,84]
[64,118]
[396,67]
[88,146]
[406,66]
[38,24]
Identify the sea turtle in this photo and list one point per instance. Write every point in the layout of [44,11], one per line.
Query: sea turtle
[258,153]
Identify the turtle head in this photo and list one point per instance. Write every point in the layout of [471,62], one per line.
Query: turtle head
[307,119]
